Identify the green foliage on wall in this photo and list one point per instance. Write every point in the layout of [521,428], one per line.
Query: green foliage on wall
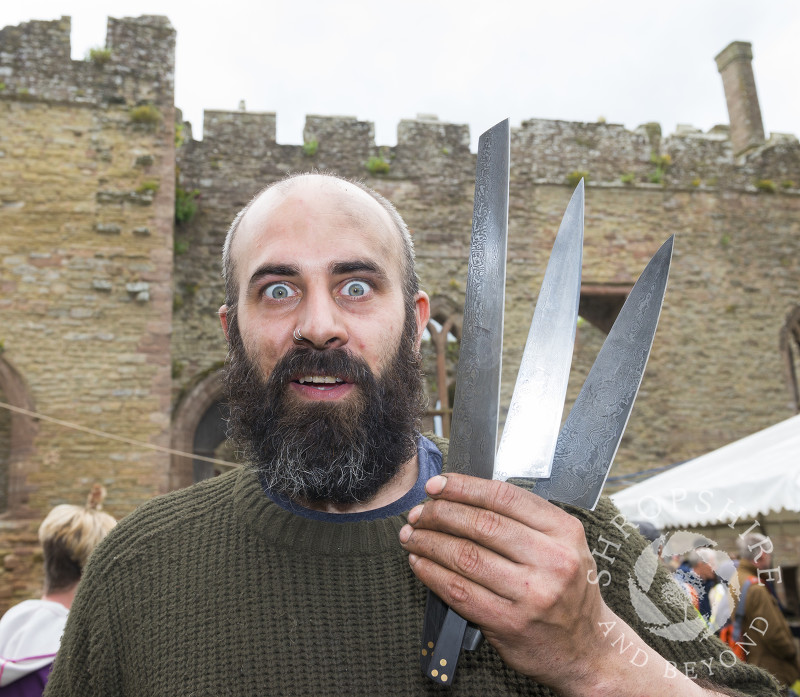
[662,163]
[145,114]
[766,185]
[99,56]
[180,135]
[377,165]
[148,186]
[574,178]
[185,204]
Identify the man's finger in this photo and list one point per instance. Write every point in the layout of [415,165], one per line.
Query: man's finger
[507,537]
[467,559]
[471,600]
[501,497]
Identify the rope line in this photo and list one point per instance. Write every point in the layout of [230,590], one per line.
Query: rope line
[111,436]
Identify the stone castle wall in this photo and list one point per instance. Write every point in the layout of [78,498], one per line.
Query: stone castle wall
[86,205]
[104,326]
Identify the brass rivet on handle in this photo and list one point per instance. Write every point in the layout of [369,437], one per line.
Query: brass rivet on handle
[444,677]
[443,662]
[434,672]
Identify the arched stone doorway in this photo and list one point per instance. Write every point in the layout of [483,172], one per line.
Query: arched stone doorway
[17,433]
[198,427]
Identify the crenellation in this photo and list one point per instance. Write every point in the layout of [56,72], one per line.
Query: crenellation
[427,147]
[777,162]
[699,159]
[231,131]
[35,64]
[341,140]
[553,150]
[35,45]
[433,136]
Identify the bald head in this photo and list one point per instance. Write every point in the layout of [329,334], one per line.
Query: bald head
[365,207]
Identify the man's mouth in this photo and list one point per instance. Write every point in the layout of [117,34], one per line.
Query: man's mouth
[321,382]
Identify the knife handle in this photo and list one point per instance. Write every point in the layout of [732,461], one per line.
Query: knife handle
[435,611]
[444,634]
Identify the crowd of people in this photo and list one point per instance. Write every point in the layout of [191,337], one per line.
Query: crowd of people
[737,597]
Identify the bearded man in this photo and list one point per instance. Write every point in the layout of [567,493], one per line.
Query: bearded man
[306,571]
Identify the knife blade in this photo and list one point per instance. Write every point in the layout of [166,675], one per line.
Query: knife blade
[476,405]
[589,440]
[529,437]
[534,416]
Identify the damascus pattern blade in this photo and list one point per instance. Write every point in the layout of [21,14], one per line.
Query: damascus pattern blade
[476,406]
[473,433]
[591,434]
[534,417]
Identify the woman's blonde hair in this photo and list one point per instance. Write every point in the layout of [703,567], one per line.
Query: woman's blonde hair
[68,535]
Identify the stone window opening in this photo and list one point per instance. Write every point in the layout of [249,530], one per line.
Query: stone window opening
[440,344]
[600,304]
[790,351]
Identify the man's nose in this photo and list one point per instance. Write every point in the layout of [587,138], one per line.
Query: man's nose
[321,321]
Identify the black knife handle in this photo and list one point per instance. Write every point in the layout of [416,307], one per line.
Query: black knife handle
[435,611]
[442,666]
[444,634]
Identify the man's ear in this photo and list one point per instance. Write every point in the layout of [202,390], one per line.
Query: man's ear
[422,310]
[223,320]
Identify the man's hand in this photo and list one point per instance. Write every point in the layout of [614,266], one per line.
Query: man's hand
[518,567]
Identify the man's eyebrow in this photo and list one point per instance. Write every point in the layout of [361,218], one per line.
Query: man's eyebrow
[273,270]
[357,266]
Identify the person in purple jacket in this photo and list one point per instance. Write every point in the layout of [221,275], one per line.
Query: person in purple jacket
[31,631]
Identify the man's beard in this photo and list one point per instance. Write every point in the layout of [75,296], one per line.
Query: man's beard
[340,451]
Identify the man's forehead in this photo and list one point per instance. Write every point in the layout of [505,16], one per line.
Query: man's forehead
[322,197]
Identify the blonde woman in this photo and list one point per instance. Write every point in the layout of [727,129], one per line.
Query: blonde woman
[31,631]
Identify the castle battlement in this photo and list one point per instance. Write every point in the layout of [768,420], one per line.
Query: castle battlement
[136,65]
[542,150]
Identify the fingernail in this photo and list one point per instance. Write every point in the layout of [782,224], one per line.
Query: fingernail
[413,559]
[405,533]
[414,514]
[436,484]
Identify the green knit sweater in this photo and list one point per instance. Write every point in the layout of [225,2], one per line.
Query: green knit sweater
[216,590]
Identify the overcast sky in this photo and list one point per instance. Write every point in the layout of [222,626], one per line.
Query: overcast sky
[467,61]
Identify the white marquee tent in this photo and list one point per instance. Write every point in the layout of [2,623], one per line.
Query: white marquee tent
[753,476]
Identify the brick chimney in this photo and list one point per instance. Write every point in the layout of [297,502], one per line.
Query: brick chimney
[735,64]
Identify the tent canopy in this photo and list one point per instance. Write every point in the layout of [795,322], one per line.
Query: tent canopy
[753,476]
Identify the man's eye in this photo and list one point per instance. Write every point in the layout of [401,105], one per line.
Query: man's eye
[278,291]
[356,289]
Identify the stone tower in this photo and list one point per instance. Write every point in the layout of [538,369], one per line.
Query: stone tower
[735,64]
[87,176]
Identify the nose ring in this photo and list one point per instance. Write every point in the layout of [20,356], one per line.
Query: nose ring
[296,335]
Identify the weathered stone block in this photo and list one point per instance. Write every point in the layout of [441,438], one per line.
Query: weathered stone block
[108,228]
